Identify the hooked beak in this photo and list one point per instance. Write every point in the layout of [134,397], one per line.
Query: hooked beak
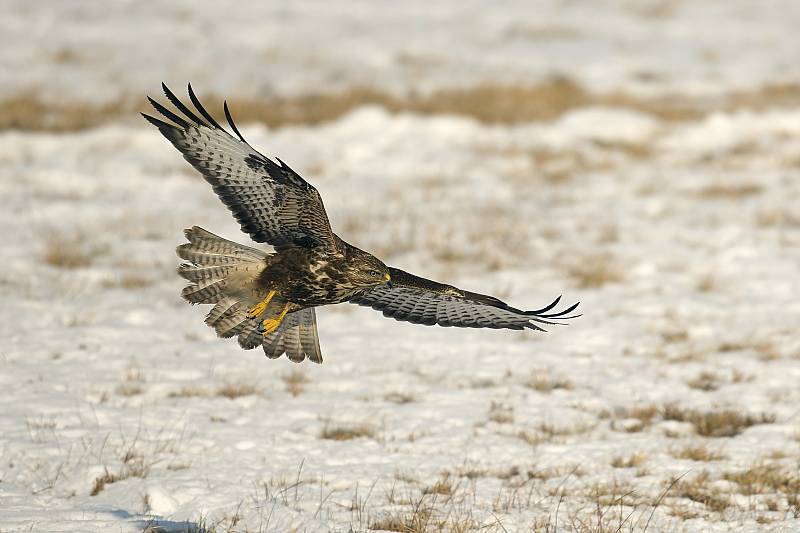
[388,279]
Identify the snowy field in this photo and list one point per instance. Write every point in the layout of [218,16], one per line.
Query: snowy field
[672,404]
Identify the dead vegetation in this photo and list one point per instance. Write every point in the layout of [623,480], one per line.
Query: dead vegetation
[595,271]
[233,390]
[128,281]
[730,191]
[715,423]
[698,452]
[68,251]
[543,382]
[633,460]
[635,419]
[347,431]
[400,398]
[190,391]
[487,103]
[295,382]
[722,423]
[501,413]
[133,465]
[766,478]
[701,489]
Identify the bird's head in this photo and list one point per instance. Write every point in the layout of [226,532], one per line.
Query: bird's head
[368,271]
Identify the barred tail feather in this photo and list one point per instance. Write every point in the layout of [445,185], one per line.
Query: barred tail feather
[215,268]
[211,260]
[229,318]
[296,337]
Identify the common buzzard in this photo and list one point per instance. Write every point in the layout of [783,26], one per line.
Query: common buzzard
[268,298]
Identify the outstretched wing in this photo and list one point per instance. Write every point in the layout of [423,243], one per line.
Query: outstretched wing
[270,201]
[422,301]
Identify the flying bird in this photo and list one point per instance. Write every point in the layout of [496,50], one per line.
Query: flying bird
[267,298]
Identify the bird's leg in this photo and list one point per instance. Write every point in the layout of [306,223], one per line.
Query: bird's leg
[271,324]
[261,306]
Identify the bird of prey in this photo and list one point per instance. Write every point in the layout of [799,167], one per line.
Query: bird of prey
[268,298]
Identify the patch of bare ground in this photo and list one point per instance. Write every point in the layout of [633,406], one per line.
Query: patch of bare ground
[233,390]
[711,381]
[133,465]
[594,271]
[69,252]
[766,478]
[698,452]
[192,391]
[400,398]
[730,191]
[722,423]
[635,419]
[128,282]
[295,382]
[347,431]
[543,382]
[446,506]
[487,103]
[633,460]
[702,489]
[501,413]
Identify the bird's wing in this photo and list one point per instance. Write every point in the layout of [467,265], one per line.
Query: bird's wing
[270,201]
[422,301]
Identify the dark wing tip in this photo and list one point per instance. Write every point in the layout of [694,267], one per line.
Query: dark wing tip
[545,309]
[167,129]
[229,118]
[168,114]
[202,110]
[181,106]
[561,314]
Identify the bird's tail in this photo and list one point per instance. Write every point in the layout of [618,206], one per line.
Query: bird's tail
[224,273]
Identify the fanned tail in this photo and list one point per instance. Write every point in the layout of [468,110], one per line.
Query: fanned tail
[296,337]
[219,272]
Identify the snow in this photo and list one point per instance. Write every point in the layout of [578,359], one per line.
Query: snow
[122,410]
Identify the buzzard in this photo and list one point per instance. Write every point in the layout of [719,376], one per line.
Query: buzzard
[268,298]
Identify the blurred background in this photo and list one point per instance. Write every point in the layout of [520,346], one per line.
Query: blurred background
[640,156]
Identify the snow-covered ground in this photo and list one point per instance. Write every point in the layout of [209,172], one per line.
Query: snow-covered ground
[671,405]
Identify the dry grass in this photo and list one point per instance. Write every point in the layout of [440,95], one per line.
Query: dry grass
[400,398]
[698,452]
[595,271]
[706,283]
[706,381]
[701,489]
[235,390]
[493,104]
[542,382]
[764,478]
[441,508]
[295,382]
[347,432]
[128,281]
[192,391]
[132,466]
[129,389]
[443,487]
[61,251]
[634,460]
[730,191]
[636,418]
[725,423]
[501,413]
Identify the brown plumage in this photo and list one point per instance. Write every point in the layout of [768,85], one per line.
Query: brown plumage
[268,298]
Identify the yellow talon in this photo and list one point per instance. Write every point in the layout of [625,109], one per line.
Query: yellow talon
[261,306]
[271,324]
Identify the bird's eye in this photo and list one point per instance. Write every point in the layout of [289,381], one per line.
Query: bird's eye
[374,273]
